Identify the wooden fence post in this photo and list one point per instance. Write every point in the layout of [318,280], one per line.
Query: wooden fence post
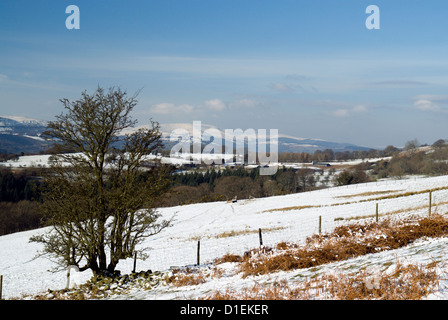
[199,249]
[430,204]
[376,214]
[320,224]
[260,237]
[68,278]
[135,262]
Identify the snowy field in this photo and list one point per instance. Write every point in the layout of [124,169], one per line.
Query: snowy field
[223,227]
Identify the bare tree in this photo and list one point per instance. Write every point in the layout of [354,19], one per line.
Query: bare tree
[100,201]
[411,145]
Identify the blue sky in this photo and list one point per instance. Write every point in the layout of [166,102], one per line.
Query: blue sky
[309,68]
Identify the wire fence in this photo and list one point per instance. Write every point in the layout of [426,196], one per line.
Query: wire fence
[324,219]
[295,227]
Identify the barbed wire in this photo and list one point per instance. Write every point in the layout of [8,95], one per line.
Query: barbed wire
[331,216]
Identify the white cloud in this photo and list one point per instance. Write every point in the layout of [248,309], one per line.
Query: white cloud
[426,105]
[360,108]
[215,104]
[245,103]
[345,112]
[167,108]
[430,102]
[170,108]
[282,87]
[340,113]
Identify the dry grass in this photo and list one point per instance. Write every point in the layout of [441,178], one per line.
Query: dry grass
[390,196]
[369,193]
[275,291]
[407,282]
[234,233]
[181,280]
[390,213]
[185,277]
[410,282]
[229,258]
[291,208]
[405,194]
[344,242]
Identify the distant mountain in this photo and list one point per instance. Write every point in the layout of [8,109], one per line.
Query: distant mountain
[20,134]
[285,143]
[21,126]
[289,144]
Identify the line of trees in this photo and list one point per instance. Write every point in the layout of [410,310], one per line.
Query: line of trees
[415,161]
[20,198]
[195,178]
[412,160]
[20,186]
[219,185]
[330,155]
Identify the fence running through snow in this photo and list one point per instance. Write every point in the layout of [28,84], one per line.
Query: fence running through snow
[207,249]
[321,219]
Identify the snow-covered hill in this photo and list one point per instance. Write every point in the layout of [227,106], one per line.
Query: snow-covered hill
[21,125]
[286,143]
[233,228]
[21,134]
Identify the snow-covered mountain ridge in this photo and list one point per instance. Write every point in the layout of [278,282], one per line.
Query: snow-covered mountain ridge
[21,125]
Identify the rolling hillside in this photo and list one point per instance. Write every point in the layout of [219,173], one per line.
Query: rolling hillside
[20,134]
[224,228]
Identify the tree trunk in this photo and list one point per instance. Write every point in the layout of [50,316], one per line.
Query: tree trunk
[112,266]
